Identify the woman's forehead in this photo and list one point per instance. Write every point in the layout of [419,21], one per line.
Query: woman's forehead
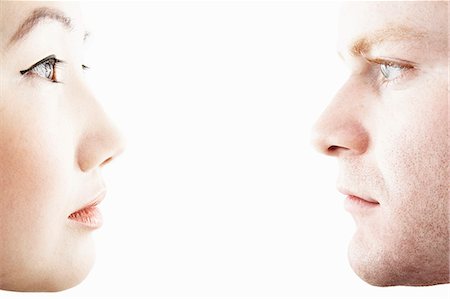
[20,18]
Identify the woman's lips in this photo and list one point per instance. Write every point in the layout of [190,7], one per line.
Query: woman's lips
[89,216]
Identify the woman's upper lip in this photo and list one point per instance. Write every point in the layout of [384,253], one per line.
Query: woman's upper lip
[97,199]
[356,194]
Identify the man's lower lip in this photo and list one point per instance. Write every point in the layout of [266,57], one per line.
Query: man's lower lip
[356,204]
[90,217]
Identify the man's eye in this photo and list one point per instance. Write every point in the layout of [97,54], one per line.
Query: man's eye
[45,68]
[391,71]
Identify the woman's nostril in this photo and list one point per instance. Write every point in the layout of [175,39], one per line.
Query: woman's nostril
[106,161]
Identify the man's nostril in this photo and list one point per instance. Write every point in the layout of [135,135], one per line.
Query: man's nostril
[333,148]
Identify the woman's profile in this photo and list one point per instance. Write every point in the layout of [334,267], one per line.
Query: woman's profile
[54,141]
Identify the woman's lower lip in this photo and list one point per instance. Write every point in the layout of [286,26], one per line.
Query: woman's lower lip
[356,204]
[90,217]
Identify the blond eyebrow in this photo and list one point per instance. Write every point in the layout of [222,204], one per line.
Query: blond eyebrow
[37,16]
[364,44]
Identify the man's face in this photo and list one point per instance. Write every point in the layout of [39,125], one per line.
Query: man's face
[388,128]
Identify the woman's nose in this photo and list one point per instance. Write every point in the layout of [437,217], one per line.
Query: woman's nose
[340,130]
[101,141]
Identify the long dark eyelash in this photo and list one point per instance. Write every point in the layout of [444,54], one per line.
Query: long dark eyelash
[48,58]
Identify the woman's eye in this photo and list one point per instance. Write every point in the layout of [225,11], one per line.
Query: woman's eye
[390,71]
[45,68]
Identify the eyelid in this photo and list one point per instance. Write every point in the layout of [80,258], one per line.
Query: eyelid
[392,62]
[40,62]
[407,68]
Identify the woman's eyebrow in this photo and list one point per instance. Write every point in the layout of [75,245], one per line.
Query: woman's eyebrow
[36,17]
[86,35]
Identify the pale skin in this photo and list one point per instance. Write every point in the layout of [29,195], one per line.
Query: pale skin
[391,140]
[389,133]
[55,140]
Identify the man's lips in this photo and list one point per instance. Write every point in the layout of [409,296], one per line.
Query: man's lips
[360,201]
[356,203]
[89,215]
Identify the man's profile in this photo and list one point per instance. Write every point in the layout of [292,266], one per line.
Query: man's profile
[388,128]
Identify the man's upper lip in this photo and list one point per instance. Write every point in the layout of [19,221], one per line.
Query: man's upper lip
[356,194]
[97,199]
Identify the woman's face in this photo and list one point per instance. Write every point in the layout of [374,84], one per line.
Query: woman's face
[55,139]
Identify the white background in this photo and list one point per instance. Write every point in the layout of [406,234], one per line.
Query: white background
[219,193]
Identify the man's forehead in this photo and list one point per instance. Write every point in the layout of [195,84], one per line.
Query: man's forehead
[363,25]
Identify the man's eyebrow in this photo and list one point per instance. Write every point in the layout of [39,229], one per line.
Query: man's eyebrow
[364,44]
[36,17]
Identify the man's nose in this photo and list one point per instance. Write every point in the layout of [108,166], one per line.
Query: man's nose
[340,129]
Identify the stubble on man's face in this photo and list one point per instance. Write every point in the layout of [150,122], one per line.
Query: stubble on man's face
[405,165]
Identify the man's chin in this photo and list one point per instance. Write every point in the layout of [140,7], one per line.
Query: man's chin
[378,268]
[363,264]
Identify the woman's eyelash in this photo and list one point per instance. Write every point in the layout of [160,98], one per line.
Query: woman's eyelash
[45,68]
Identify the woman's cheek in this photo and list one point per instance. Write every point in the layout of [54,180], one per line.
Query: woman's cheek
[34,176]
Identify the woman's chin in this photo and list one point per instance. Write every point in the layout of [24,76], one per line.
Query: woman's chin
[62,275]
